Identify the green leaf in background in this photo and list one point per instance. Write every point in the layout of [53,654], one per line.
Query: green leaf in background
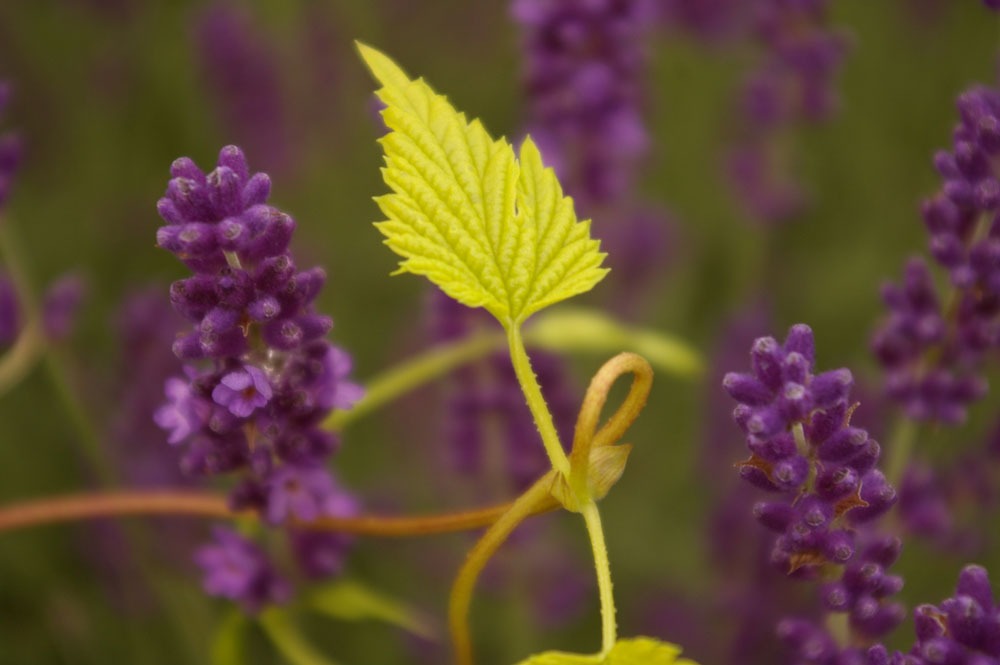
[289,640]
[349,600]
[629,651]
[228,641]
[489,232]
[582,329]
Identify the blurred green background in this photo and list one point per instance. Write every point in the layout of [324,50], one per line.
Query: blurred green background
[109,93]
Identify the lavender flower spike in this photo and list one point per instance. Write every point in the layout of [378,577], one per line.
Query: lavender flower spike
[10,149]
[260,377]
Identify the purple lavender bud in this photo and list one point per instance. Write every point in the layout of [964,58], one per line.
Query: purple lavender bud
[188,347]
[182,415]
[965,619]
[766,422]
[795,402]
[843,444]
[264,309]
[60,305]
[170,214]
[795,368]
[774,449]
[838,546]
[948,249]
[775,516]
[232,234]
[234,288]
[270,232]
[928,622]
[757,478]
[219,320]
[974,582]
[835,597]
[233,158]
[766,357]
[237,569]
[831,387]
[873,619]
[184,167]
[243,391]
[301,493]
[889,585]
[274,273]
[800,340]
[742,414]
[878,493]
[228,344]
[225,191]
[941,651]
[824,423]
[835,483]
[193,297]
[10,312]
[257,189]
[790,473]
[306,448]
[940,215]
[815,512]
[863,577]
[746,389]
[867,458]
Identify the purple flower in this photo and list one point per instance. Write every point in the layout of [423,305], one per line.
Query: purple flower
[10,149]
[10,312]
[304,494]
[181,415]
[60,305]
[242,391]
[261,377]
[239,67]
[235,568]
[933,357]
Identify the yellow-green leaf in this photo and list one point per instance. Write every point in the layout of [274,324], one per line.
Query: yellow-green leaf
[630,651]
[489,231]
[350,600]
[570,328]
[645,651]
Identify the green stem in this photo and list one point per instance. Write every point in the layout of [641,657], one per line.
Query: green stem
[399,380]
[524,506]
[609,628]
[536,402]
[89,441]
[900,449]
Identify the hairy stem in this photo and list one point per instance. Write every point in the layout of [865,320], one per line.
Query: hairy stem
[609,627]
[536,402]
[531,502]
[403,378]
[186,503]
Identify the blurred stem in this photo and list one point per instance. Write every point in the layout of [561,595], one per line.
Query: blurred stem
[399,380]
[76,507]
[536,401]
[900,450]
[564,330]
[609,628]
[529,503]
[12,255]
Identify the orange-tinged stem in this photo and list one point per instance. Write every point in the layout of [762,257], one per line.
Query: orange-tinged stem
[186,503]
